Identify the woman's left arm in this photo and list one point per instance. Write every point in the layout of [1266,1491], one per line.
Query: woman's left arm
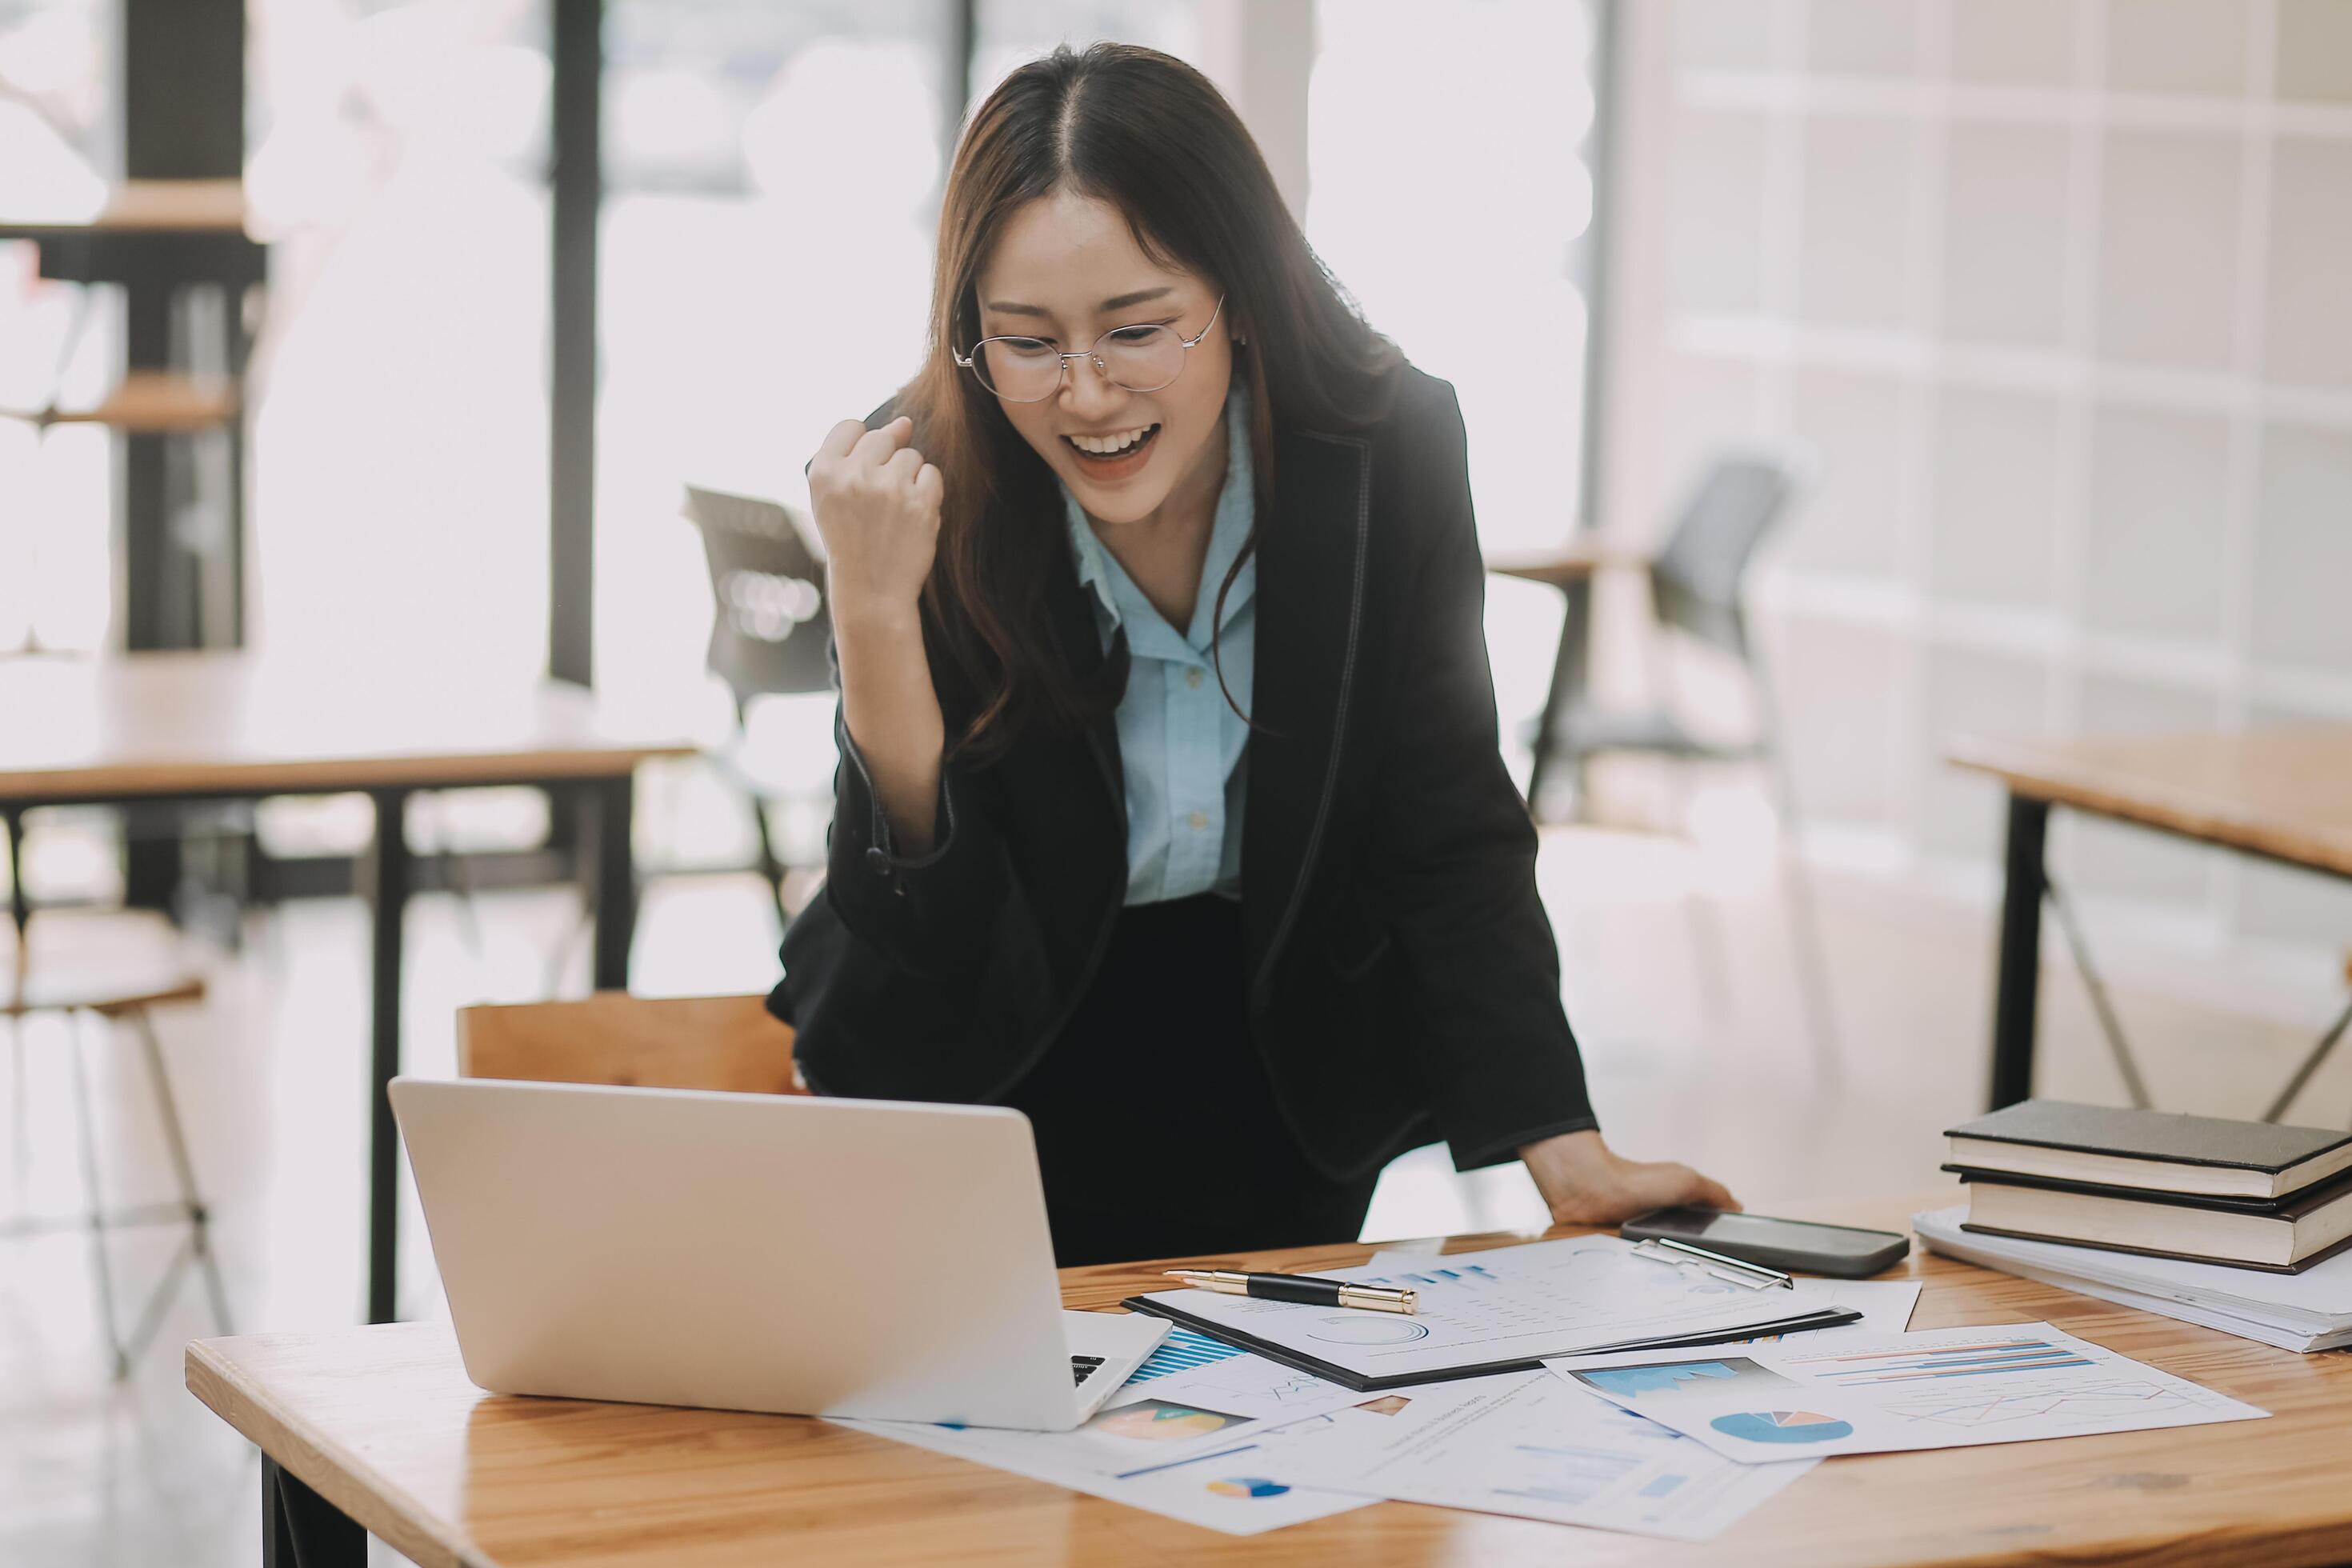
[1458,853]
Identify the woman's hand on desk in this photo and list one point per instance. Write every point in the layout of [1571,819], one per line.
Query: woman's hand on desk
[877,507]
[1585,1183]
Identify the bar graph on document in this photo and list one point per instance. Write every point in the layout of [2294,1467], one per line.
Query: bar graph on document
[1988,1383]
[1182,1351]
[1993,1356]
[1432,1273]
[1571,1476]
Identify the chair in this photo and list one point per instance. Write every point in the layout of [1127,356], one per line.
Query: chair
[1698,584]
[110,991]
[730,1042]
[770,634]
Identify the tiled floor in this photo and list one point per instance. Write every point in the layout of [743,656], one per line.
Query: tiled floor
[269,1072]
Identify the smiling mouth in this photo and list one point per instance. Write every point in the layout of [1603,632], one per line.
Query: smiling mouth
[1125,454]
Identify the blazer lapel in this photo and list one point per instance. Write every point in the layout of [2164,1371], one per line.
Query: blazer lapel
[1311,558]
[1073,620]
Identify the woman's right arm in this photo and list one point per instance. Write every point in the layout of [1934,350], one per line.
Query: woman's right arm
[919,973]
[877,508]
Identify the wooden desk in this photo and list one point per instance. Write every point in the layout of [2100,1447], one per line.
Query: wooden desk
[198,726]
[2282,795]
[380,1426]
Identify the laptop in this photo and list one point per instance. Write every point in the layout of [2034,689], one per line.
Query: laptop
[781,1253]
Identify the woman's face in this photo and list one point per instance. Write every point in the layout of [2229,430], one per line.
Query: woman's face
[1068,270]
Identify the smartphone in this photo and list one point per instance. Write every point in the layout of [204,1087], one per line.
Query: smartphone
[1791,1246]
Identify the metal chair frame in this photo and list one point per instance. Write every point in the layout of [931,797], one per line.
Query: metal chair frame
[196,1251]
[1696,588]
[771,625]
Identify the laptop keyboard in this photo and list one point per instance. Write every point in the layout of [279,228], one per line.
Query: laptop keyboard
[1083,1367]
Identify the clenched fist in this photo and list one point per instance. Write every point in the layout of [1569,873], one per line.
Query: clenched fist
[877,507]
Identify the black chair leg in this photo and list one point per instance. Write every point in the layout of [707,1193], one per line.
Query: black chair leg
[1570,670]
[20,901]
[101,1271]
[176,1141]
[771,866]
[1805,929]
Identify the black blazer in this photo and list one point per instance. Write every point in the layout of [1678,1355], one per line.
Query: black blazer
[1404,983]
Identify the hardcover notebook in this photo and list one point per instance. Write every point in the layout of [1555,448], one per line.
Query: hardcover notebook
[2287,1235]
[2150,1150]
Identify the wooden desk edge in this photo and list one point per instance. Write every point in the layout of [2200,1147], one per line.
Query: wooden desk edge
[449,771]
[158,206]
[2083,785]
[337,1474]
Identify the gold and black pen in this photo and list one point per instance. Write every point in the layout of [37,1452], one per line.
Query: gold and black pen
[1307,1289]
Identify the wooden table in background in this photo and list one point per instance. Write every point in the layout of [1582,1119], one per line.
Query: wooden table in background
[138,206]
[377,1429]
[196,726]
[2282,795]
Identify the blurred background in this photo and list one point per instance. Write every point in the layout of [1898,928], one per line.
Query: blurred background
[2006,342]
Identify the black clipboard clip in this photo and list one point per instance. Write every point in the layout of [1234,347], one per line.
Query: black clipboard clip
[1683,1255]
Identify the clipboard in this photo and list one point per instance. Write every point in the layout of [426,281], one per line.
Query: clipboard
[1818,1318]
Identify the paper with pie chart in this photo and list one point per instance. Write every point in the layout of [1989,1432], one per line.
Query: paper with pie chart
[1205,1463]
[1940,1388]
[1530,1444]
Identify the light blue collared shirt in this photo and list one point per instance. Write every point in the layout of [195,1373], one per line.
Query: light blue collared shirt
[1182,746]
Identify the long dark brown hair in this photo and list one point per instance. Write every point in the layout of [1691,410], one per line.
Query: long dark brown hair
[1147,134]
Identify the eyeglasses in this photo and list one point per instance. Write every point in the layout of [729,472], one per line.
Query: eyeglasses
[1137,359]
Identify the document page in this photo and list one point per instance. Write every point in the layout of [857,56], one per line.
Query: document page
[1533,1446]
[1940,1388]
[1201,1432]
[2319,1300]
[1549,1297]
[1237,1487]
[1190,1368]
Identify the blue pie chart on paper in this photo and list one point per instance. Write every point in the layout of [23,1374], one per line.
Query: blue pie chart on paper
[1249,1486]
[1782,1426]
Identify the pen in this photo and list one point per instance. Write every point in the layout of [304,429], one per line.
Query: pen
[1755,1276]
[1307,1289]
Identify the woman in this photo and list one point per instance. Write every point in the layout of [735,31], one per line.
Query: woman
[1170,810]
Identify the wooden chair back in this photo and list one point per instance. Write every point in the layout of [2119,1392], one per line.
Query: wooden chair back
[730,1042]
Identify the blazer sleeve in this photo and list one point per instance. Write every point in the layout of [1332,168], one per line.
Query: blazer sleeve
[1458,853]
[927,914]
[899,947]
[918,911]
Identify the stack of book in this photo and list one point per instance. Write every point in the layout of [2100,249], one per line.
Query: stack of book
[2241,1225]
[2251,1194]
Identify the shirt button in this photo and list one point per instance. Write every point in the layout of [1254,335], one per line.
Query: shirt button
[1199,819]
[1192,677]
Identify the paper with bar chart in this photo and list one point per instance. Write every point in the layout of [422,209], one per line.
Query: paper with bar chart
[1194,1369]
[1940,1388]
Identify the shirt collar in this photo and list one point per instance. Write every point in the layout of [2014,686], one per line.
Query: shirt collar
[1116,594]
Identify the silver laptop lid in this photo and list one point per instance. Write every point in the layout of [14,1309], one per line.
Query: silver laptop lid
[740,1251]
